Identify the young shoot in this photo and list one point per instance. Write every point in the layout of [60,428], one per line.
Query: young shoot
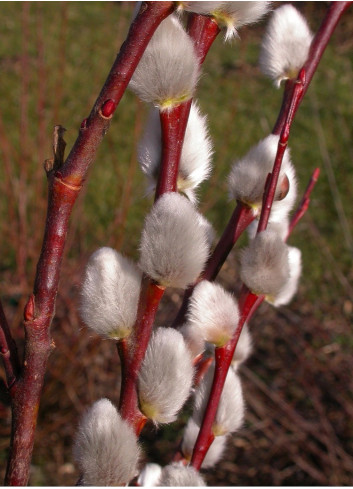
[105,447]
[195,161]
[166,376]
[286,44]
[213,313]
[168,71]
[174,243]
[109,294]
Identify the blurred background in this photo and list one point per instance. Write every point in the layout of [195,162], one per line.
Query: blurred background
[54,58]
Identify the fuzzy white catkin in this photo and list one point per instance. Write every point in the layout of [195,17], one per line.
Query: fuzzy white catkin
[149,475]
[232,15]
[174,244]
[286,44]
[109,293]
[213,312]
[166,376]
[194,342]
[105,447]
[286,293]
[168,70]
[177,475]
[264,267]
[230,412]
[214,453]
[248,177]
[280,227]
[196,155]
[243,348]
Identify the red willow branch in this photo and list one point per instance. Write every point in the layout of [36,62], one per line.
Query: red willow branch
[317,48]
[293,95]
[173,127]
[133,353]
[270,188]
[64,185]
[304,203]
[249,302]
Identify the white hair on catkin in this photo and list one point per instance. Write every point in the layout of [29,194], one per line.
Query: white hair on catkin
[195,160]
[177,475]
[149,475]
[286,44]
[174,244]
[109,293]
[264,267]
[166,376]
[168,71]
[287,292]
[243,349]
[213,312]
[105,447]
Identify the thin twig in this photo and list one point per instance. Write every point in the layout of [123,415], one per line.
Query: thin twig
[8,351]
[305,201]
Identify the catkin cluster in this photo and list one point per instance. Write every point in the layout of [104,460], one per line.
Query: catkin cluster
[175,247]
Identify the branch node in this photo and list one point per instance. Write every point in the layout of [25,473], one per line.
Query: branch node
[28,312]
[107,109]
[84,123]
[59,145]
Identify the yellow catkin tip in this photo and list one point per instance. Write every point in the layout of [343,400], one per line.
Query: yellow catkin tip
[169,103]
[149,410]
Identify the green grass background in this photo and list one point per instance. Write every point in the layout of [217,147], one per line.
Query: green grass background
[79,41]
[56,55]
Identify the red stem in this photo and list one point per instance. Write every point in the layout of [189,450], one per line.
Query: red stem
[203,31]
[270,189]
[304,203]
[173,126]
[317,48]
[64,186]
[132,357]
[248,303]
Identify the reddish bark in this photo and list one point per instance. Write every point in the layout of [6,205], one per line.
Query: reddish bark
[64,186]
